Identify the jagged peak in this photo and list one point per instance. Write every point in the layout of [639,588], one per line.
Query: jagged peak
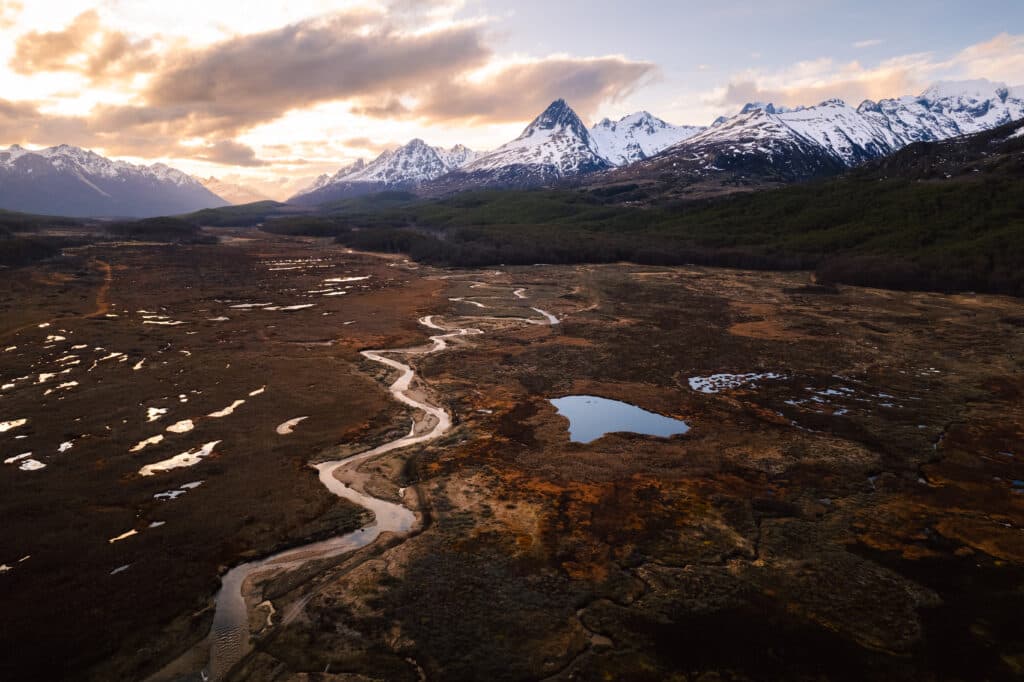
[558,115]
[751,107]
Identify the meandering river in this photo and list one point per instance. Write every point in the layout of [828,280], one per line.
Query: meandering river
[229,638]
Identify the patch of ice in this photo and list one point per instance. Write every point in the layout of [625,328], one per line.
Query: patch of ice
[340,280]
[244,306]
[123,536]
[32,465]
[722,382]
[120,569]
[184,426]
[153,440]
[17,458]
[157,524]
[289,426]
[155,413]
[185,459]
[10,348]
[302,306]
[261,389]
[138,365]
[12,424]
[165,323]
[44,377]
[53,338]
[65,446]
[218,319]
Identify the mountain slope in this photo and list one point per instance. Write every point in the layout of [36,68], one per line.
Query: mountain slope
[399,169]
[66,180]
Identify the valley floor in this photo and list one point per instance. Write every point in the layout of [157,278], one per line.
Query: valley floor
[848,503]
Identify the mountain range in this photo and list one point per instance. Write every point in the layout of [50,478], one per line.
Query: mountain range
[761,145]
[404,168]
[764,143]
[66,180]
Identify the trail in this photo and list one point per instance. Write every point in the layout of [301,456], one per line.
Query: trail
[102,303]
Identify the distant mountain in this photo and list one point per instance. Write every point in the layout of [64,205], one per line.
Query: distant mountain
[404,168]
[233,193]
[70,181]
[764,144]
[636,137]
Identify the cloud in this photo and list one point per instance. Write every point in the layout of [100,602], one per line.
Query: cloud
[368,145]
[83,47]
[1001,58]
[254,79]
[441,72]
[520,90]
[9,11]
[810,82]
[231,153]
[861,44]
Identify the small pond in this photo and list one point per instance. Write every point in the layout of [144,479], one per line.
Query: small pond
[590,417]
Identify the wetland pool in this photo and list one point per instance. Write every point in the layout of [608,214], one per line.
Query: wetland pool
[591,417]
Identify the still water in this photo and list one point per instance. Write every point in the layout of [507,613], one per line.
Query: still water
[590,417]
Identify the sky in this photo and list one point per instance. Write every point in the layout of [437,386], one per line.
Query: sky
[272,93]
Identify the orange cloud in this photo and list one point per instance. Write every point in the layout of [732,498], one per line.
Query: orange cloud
[83,47]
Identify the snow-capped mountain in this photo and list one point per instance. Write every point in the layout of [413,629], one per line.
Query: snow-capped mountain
[232,192]
[66,180]
[403,168]
[637,136]
[832,128]
[775,144]
[875,129]
[947,109]
[556,145]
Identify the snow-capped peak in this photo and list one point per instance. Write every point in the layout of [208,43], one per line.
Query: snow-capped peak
[555,144]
